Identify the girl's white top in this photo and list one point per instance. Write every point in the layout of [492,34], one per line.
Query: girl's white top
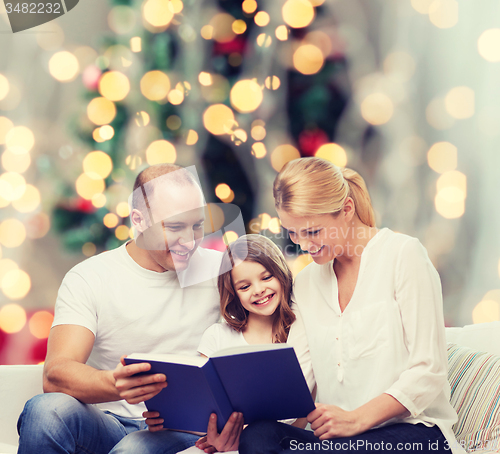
[389,339]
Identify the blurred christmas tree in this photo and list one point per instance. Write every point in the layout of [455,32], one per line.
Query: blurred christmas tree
[215,84]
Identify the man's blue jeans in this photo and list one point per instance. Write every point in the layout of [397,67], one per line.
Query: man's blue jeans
[57,423]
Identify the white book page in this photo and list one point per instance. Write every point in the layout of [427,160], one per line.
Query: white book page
[198,361]
[249,349]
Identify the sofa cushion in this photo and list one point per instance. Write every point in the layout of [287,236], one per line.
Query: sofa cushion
[475,394]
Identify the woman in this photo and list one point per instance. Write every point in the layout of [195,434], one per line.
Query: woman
[372,309]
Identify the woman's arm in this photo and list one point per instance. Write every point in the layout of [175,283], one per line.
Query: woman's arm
[330,421]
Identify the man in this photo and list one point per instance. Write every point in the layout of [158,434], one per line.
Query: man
[119,302]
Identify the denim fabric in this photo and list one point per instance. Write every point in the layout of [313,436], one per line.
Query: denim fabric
[58,423]
[269,437]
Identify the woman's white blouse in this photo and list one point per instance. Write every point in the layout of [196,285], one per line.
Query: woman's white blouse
[389,339]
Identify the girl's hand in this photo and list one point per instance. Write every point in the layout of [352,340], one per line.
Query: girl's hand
[330,421]
[229,438]
[204,445]
[153,420]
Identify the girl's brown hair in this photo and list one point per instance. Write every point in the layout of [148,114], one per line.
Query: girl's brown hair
[314,186]
[258,249]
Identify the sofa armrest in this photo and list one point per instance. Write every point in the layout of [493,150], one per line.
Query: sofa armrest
[18,384]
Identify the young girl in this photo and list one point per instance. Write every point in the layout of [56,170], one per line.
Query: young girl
[256,307]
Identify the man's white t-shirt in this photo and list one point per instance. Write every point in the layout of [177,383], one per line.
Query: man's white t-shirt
[389,339]
[130,309]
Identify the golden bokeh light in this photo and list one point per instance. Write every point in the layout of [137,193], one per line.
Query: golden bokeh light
[229,237]
[454,180]
[332,152]
[174,122]
[40,324]
[488,45]
[274,226]
[308,59]
[12,318]
[29,201]
[223,191]
[487,310]
[89,249]
[136,44]
[175,97]
[283,154]
[122,232]
[97,165]
[16,284]
[264,40]
[101,111]
[218,91]
[15,162]
[155,85]
[158,13]
[249,6]
[20,139]
[377,109]
[87,187]
[12,186]
[207,32]
[259,150]
[63,66]
[12,233]
[6,265]
[114,85]
[298,13]
[437,115]
[99,200]
[96,135]
[222,24]
[421,6]
[246,96]
[192,137]
[218,119]
[264,220]
[142,118]
[258,132]
[442,157]
[123,209]
[160,151]
[444,13]
[240,135]
[321,40]
[459,102]
[133,161]
[110,220]
[317,2]
[106,132]
[281,32]
[262,18]
[4,86]
[5,126]
[205,79]
[239,26]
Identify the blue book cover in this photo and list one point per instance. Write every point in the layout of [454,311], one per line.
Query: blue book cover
[260,381]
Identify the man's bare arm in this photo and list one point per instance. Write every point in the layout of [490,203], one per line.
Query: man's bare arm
[65,371]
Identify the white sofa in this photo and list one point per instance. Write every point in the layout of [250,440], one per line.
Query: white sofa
[20,383]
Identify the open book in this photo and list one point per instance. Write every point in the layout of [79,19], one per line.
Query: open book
[260,381]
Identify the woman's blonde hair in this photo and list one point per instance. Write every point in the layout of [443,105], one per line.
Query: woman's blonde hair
[258,249]
[314,186]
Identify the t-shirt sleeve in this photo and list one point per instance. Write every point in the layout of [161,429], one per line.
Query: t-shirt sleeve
[418,293]
[211,340]
[76,303]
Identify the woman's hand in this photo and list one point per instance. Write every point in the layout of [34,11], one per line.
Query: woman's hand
[330,421]
[153,420]
[227,440]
